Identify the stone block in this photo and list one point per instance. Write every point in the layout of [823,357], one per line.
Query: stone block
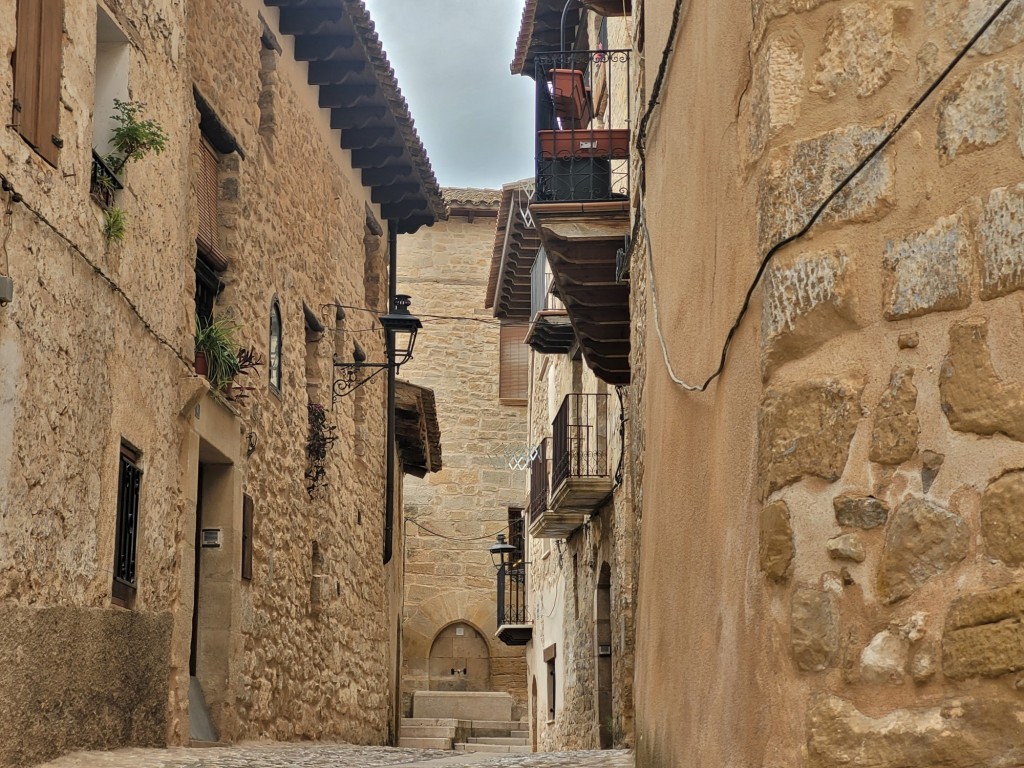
[1007,30]
[928,271]
[806,430]
[807,300]
[777,89]
[814,628]
[462,705]
[861,51]
[801,175]
[988,650]
[922,542]
[1001,242]
[860,511]
[961,733]
[974,112]
[924,662]
[777,547]
[974,397]
[848,546]
[885,658]
[1002,518]
[987,607]
[894,433]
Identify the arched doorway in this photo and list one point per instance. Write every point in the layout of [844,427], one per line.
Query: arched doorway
[459,660]
[603,651]
[533,713]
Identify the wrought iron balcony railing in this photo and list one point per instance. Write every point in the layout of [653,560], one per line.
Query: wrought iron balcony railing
[512,581]
[541,297]
[540,474]
[103,183]
[579,439]
[583,125]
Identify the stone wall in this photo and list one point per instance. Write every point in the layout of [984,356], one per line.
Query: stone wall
[563,581]
[97,347]
[841,496]
[449,576]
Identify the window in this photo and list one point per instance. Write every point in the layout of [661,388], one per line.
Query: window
[129,482]
[274,366]
[208,287]
[111,80]
[549,659]
[515,534]
[247,509]
[37,68]
[514,364]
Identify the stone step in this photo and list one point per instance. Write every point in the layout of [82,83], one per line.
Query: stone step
[427,731]
[448,722]
[497,725]
[424,743]
[493,748]
[506,740]
[523,734]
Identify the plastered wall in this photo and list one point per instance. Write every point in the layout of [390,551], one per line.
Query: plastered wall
[829,574]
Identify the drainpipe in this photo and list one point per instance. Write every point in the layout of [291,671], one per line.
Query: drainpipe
[389,480]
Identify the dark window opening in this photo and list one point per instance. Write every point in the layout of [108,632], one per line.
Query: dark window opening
[274,366]
[129,483]
[247,510]
[208,287]
[515,534]
[549,659]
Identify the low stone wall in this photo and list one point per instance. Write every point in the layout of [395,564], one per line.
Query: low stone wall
[80,678]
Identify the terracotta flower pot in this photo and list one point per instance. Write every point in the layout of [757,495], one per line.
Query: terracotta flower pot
[201,366]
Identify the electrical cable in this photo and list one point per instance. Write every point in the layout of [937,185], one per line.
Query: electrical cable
[455,538]
[8,216]
[818,212]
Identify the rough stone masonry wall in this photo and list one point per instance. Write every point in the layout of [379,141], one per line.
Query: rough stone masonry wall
[445,269]
[885,485]
[563,583]
[89,354]
[315,617]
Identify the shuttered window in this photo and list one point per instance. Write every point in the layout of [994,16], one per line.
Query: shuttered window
[129,482]
[207,192]
[37,68]
[514,365]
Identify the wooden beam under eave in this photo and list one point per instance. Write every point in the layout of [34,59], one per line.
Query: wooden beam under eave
[375,158]
[367,138]
[336,72]
[393,193]
[305,21]
[345,96]
[321,47]
[377,177]
[356,117]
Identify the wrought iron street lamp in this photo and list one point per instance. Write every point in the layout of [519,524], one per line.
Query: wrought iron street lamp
[501,552]
[400,329]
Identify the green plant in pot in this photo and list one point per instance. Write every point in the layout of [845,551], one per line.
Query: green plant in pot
[217,351]
[133,137]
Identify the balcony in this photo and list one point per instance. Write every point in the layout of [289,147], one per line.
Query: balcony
[514,625]
[550,328]
[581,197]
[579,477]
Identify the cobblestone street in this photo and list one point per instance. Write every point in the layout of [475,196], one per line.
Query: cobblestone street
[332,756]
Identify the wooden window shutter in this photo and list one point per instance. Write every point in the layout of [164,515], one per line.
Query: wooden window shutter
[37,71]
[207,194]
[514,368]
[247,510]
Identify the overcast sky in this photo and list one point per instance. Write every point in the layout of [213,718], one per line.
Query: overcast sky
[452,60]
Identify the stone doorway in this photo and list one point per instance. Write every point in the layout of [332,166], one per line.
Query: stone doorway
[460,660]
[603,652]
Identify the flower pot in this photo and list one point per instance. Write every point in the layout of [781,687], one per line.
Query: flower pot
[571,96]
[201,365]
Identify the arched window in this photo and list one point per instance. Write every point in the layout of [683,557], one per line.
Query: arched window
[274,366]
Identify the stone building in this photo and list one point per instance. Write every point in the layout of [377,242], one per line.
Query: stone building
[831,561]
[452,516]
[174,564]
[554,272]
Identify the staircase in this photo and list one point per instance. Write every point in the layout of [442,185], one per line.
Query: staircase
[498,736]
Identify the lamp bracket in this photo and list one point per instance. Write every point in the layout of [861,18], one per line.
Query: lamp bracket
[348,376]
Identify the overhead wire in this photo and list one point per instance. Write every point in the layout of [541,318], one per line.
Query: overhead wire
[641,220]
[455,538]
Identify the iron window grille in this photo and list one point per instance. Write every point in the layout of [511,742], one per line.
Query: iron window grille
[129,485]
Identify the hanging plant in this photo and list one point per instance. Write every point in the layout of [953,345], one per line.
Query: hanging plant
[321,436]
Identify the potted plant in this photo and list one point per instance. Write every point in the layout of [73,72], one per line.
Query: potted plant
[217,351]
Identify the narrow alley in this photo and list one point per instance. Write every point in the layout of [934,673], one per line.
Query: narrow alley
[333,756]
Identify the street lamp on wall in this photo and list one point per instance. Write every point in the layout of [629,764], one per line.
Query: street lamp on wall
[501,552]
[400,329]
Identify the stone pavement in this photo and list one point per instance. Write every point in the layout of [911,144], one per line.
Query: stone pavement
[278,755]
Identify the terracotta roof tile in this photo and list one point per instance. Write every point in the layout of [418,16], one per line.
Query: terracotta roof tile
[472,197]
